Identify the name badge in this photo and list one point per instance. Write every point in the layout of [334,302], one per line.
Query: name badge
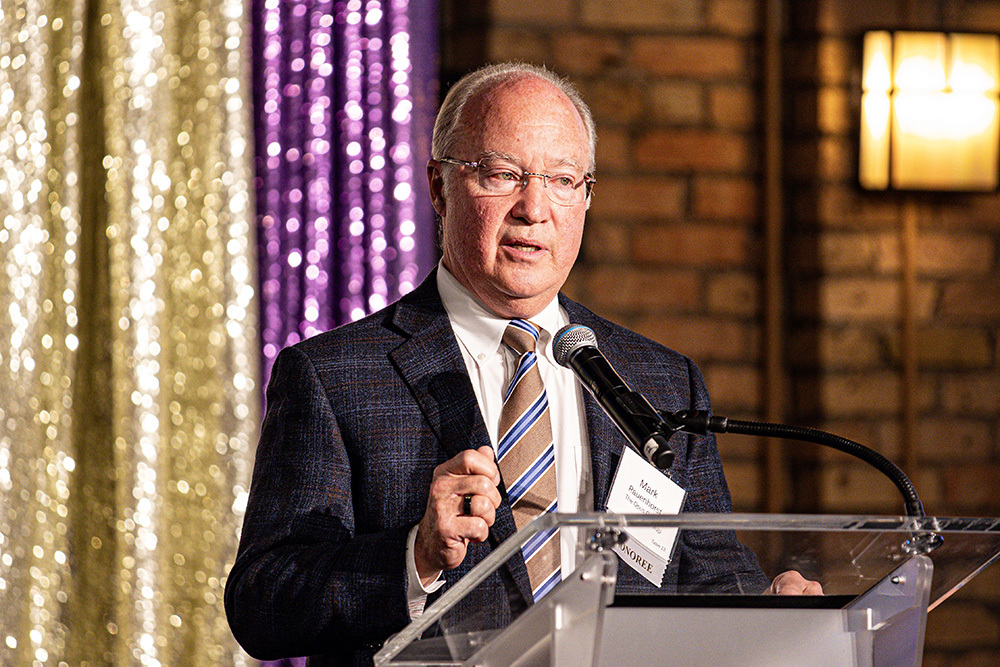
[639,488]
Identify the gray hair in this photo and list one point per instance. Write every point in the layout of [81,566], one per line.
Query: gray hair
[447,128]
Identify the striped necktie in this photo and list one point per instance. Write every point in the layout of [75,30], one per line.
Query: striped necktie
[526,456]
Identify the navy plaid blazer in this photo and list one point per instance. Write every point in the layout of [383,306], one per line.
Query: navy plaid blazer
[358,418]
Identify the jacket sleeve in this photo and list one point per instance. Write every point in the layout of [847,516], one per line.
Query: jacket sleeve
[305,581]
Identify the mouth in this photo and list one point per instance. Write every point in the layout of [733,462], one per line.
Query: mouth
[522,245]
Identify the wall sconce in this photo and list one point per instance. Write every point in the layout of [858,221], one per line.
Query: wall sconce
[930,116]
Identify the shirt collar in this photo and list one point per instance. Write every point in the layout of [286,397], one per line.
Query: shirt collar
[480,330]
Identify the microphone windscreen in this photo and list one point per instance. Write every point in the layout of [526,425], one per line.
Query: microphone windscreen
[569,339]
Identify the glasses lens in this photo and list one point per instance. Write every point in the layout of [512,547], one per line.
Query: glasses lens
[565,189]
[498,178]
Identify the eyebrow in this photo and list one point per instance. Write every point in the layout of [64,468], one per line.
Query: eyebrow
[561,162]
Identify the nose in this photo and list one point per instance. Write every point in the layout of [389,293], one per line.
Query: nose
[532,202]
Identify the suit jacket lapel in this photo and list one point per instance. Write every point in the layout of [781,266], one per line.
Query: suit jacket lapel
[606,441]
[431,365]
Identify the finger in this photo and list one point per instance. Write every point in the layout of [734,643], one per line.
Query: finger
[813,588]
[477,506]
[793,583]
[471,528]
[471,462]
[492,455]
[450,489]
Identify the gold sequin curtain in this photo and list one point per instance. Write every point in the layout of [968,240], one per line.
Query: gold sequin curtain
[128,351]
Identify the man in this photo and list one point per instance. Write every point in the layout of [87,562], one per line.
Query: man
[376,480]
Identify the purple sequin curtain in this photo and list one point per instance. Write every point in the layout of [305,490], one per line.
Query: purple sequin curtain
[345,94]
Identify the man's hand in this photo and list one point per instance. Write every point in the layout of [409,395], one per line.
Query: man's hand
[445,531]
[793,583]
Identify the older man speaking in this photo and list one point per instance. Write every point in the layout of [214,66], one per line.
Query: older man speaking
[398,450]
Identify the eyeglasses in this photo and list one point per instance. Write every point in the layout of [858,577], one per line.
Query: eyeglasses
[497,178]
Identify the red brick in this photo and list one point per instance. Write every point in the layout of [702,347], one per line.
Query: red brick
[835,348]
[981,16]
[834,253]
[697,57]
[951,348]
[827,158]
[833,110]
[701,338]
[841,206]
[851,486]
[514,44]
[606,240]
[733,294]
[857,299]
[699,150]
[617,100]
[972,393]
[861,431]
[586,53]
[971,489]
[641,197]
[834,58]
[977,299]
[733,106]
[723,198]
[826,60]
[614,151]
[557,12]
[630,289]
[733,388]
[679,102]
[860,393]
[870,394]
[971,212]
[640,14]
[949,255]
[692,245]
[954,440]
[734,17]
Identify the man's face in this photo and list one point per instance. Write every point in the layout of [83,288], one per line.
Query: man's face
[513,252]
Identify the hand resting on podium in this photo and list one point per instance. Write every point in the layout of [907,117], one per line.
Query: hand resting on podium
[793,583]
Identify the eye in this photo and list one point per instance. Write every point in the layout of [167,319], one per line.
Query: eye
[501,174]
[562,181]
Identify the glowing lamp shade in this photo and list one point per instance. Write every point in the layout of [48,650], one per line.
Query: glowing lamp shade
[930,111]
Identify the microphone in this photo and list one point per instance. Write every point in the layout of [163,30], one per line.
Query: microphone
[575,347]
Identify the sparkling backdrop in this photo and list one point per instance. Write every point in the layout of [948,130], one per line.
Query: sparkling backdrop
[345,93]
[128,352]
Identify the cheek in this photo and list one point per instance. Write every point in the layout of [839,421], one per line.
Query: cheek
[571,240]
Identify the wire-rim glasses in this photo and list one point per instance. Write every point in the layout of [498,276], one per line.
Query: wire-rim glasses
[497,178]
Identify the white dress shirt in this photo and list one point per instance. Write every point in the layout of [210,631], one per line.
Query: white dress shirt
[491,365]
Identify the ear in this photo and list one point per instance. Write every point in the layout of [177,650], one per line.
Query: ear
[435,182]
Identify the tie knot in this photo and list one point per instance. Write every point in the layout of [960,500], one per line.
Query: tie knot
[521,336]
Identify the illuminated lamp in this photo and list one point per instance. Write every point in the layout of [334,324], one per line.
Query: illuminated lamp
[930,111]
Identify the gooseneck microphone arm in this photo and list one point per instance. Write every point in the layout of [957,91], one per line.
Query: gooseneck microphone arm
[701,422]
[575,346]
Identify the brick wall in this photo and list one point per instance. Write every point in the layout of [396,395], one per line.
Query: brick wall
[673,244]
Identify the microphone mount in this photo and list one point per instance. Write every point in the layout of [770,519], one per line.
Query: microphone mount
[701,422]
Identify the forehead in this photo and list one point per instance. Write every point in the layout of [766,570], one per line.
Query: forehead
[528,118]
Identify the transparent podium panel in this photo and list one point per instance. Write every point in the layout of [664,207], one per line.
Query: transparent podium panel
[879,577]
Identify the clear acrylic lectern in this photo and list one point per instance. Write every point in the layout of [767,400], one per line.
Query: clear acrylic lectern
[880,577]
